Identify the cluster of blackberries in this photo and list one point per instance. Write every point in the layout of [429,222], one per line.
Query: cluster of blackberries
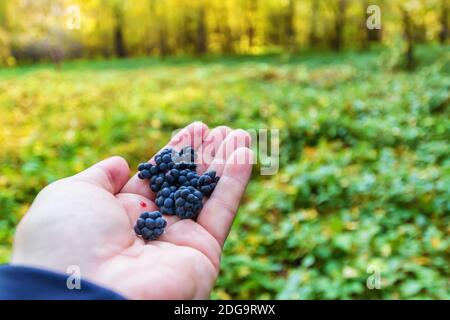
[188,202]
[150,225]
[179,188]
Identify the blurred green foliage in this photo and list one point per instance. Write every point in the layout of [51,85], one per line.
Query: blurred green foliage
[364,175]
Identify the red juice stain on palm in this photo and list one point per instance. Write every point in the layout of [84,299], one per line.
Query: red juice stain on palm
[143,204]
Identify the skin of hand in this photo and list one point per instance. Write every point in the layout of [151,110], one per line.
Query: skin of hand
[87,220]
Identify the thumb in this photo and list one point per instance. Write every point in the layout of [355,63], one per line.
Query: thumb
[110,174]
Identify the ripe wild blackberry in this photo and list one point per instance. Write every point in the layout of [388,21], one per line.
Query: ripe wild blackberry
[188,202]
[164,159]
[165,200]
[163,163]
[150,225]
[179,188]
[207,183]
[161,180]
[186,177]
[185,166]
[147,170]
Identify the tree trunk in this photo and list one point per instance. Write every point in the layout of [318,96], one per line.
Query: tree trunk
[339,23]
[251,30]
[187,38]
[119,43]
[290,27]
[227,33]
[443,33]
[163,46]
[251,35]
[202,33]
[228,43]
[408,33]
[313,37]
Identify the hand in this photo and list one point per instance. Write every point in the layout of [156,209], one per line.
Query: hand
[87,220]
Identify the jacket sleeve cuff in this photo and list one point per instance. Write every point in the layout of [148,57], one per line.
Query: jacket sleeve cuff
[27,283]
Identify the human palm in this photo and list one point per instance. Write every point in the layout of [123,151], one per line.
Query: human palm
[87,220]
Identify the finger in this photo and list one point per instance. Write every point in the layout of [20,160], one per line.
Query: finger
[220,210]
[110,174]
[235,140]
[192,135]
[210,147]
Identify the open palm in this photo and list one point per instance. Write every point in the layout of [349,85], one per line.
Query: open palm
[87,220]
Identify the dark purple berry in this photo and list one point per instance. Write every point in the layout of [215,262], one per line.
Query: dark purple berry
[188,202]
[150,225]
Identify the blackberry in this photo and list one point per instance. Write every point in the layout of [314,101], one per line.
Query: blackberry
[185,166]
[164,159]
[165,200]
[147,170]
[179,189]
[207,182]
[188,202]
[185,177]
[161,180]
[150,225]
[163,163]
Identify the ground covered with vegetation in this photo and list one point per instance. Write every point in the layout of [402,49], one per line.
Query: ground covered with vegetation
[364,179]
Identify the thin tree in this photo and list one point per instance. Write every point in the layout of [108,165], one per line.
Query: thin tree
[339,24]
[290,26]
[251,28]
[226,31]
[118,37]
[202,32]
[408,34]
[443,33]
[313,36]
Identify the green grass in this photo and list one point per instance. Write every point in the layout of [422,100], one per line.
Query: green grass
[364,175]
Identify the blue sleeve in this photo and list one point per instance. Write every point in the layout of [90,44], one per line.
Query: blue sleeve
[26,283]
